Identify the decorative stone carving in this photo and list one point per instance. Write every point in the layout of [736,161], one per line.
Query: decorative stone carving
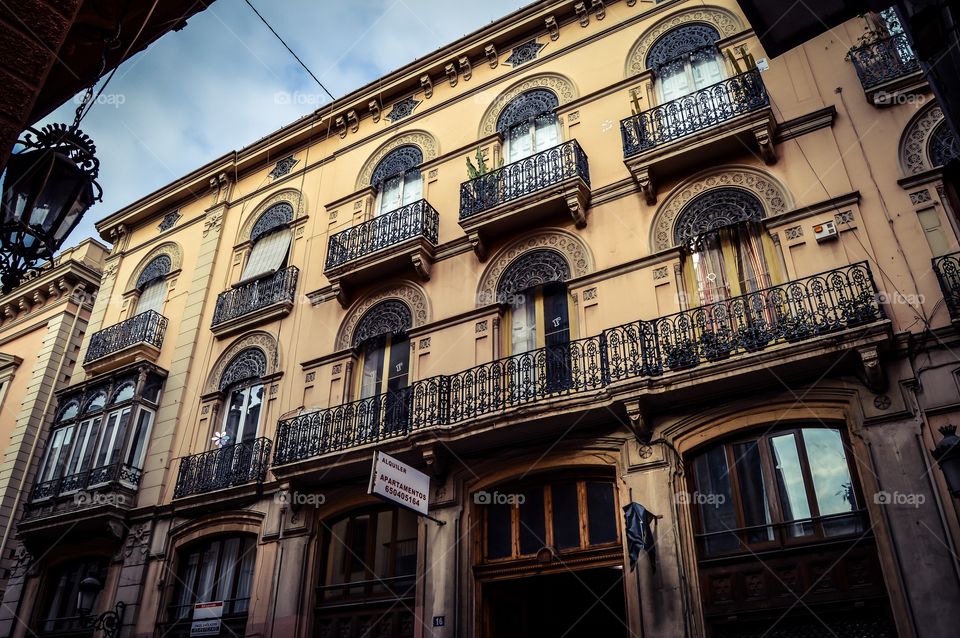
[427,85]
[660,273]
[571,247]
[425,343]
[590,293]
[523,53]
[724,21]
[374,107]
[844,217]
[290,196]
[137,543]
[169,220]
[481,326]
[353,121]
[263,341]
[713,209]
[561,86]
[794,232]
[172,251]
[337,368]
[212,222]
[410,294]
[283,167]
[768,190]
[552,27]
[311,377]
[492,58]
[920,197]
[599,9]
[425,141]
[916,139]
[465,69]
[581,9]
[451,73]
[402,109]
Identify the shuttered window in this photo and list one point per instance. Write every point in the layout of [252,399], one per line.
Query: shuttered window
[268,255]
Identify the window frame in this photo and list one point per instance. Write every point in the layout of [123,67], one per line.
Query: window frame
[539,317]
[581,480]
[781,539]
[405,183]
[247,542]
[246,386]
[531,124]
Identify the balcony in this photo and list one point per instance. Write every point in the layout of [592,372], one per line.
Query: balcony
[228,466]
[947,268]
[684,133]
[255,302]
[887,68]
[385,244]
[522,192]
[647,351]
[136,339]
[101,494]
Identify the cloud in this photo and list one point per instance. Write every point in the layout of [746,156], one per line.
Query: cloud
[211,87]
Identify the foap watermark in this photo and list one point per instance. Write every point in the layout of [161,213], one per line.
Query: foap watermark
[898,298]
[484,497]
[883,97]
[116,100]
[899,498]
[294,498]
[84,498]
[299,98]
[700,498]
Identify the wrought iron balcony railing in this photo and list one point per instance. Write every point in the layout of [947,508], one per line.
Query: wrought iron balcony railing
[695,112]
[803,309]
[254,295]
[223,467]
[947,268]
[416,219]
[884,60]
[115,473]
[524,177]
[147,327]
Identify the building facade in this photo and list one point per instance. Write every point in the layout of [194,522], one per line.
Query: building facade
[594,256]
[42,323]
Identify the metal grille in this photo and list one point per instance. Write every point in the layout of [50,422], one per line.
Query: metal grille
[524,177]
[675,47]
[697,111]
[399,161]
[98,478]
[147,327]
[276,216]
[417,219]
[250,363]
[250,297]
[223,467]
[803,309]
[715,209]
[156,269]
[947,268]
[526,107]
[387,317]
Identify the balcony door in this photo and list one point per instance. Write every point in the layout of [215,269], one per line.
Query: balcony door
[242,417]
[538,133]
[397,179]
[385,371]
[688,76]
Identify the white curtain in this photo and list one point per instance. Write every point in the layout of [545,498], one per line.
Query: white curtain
[390,194]
[151,297]
[268,255]
[523,336]
[412,187]
[546,133]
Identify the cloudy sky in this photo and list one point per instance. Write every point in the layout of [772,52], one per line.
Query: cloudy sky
[225,81]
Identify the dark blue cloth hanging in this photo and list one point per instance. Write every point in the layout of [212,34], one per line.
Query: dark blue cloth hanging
[639,534]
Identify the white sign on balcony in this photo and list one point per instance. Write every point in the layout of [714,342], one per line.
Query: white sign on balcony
[400,483]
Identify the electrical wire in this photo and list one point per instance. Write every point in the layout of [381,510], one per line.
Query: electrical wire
[287,46]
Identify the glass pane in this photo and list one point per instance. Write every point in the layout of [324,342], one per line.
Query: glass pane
[208,573]
[674,84]
[566,516]
[372,369]
[601,513]
[152,297]
[383,546]
[533,525]
[832,482]
[358,558]
[499,531]
[245,579]
[336,551]
[717,514]
[252,418]
[523,315]
[707,71]
[186,575]
[790,484]
[79,448]
[106,441]
[141,435]
[412,187]
[546,132]
[125,392]
[753,496]
[708,268]
[234,415]
[390,194]
[520,142]
[406,554]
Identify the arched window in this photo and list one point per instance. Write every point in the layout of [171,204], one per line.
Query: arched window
[152,284]
[271,242]
[368,574]
[241,383]
[726,252]
[96,402]
[686,59]
[529,124]
[397,179]
[943,145]
[218,569]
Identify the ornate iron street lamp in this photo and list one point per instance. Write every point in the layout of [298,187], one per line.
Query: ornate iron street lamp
[947,455]
[48,187]
[109,621]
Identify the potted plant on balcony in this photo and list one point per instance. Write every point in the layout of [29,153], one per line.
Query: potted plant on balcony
[484,192]
[755,336]
[858,310]
[717,343]
[681,355]
[799,326]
